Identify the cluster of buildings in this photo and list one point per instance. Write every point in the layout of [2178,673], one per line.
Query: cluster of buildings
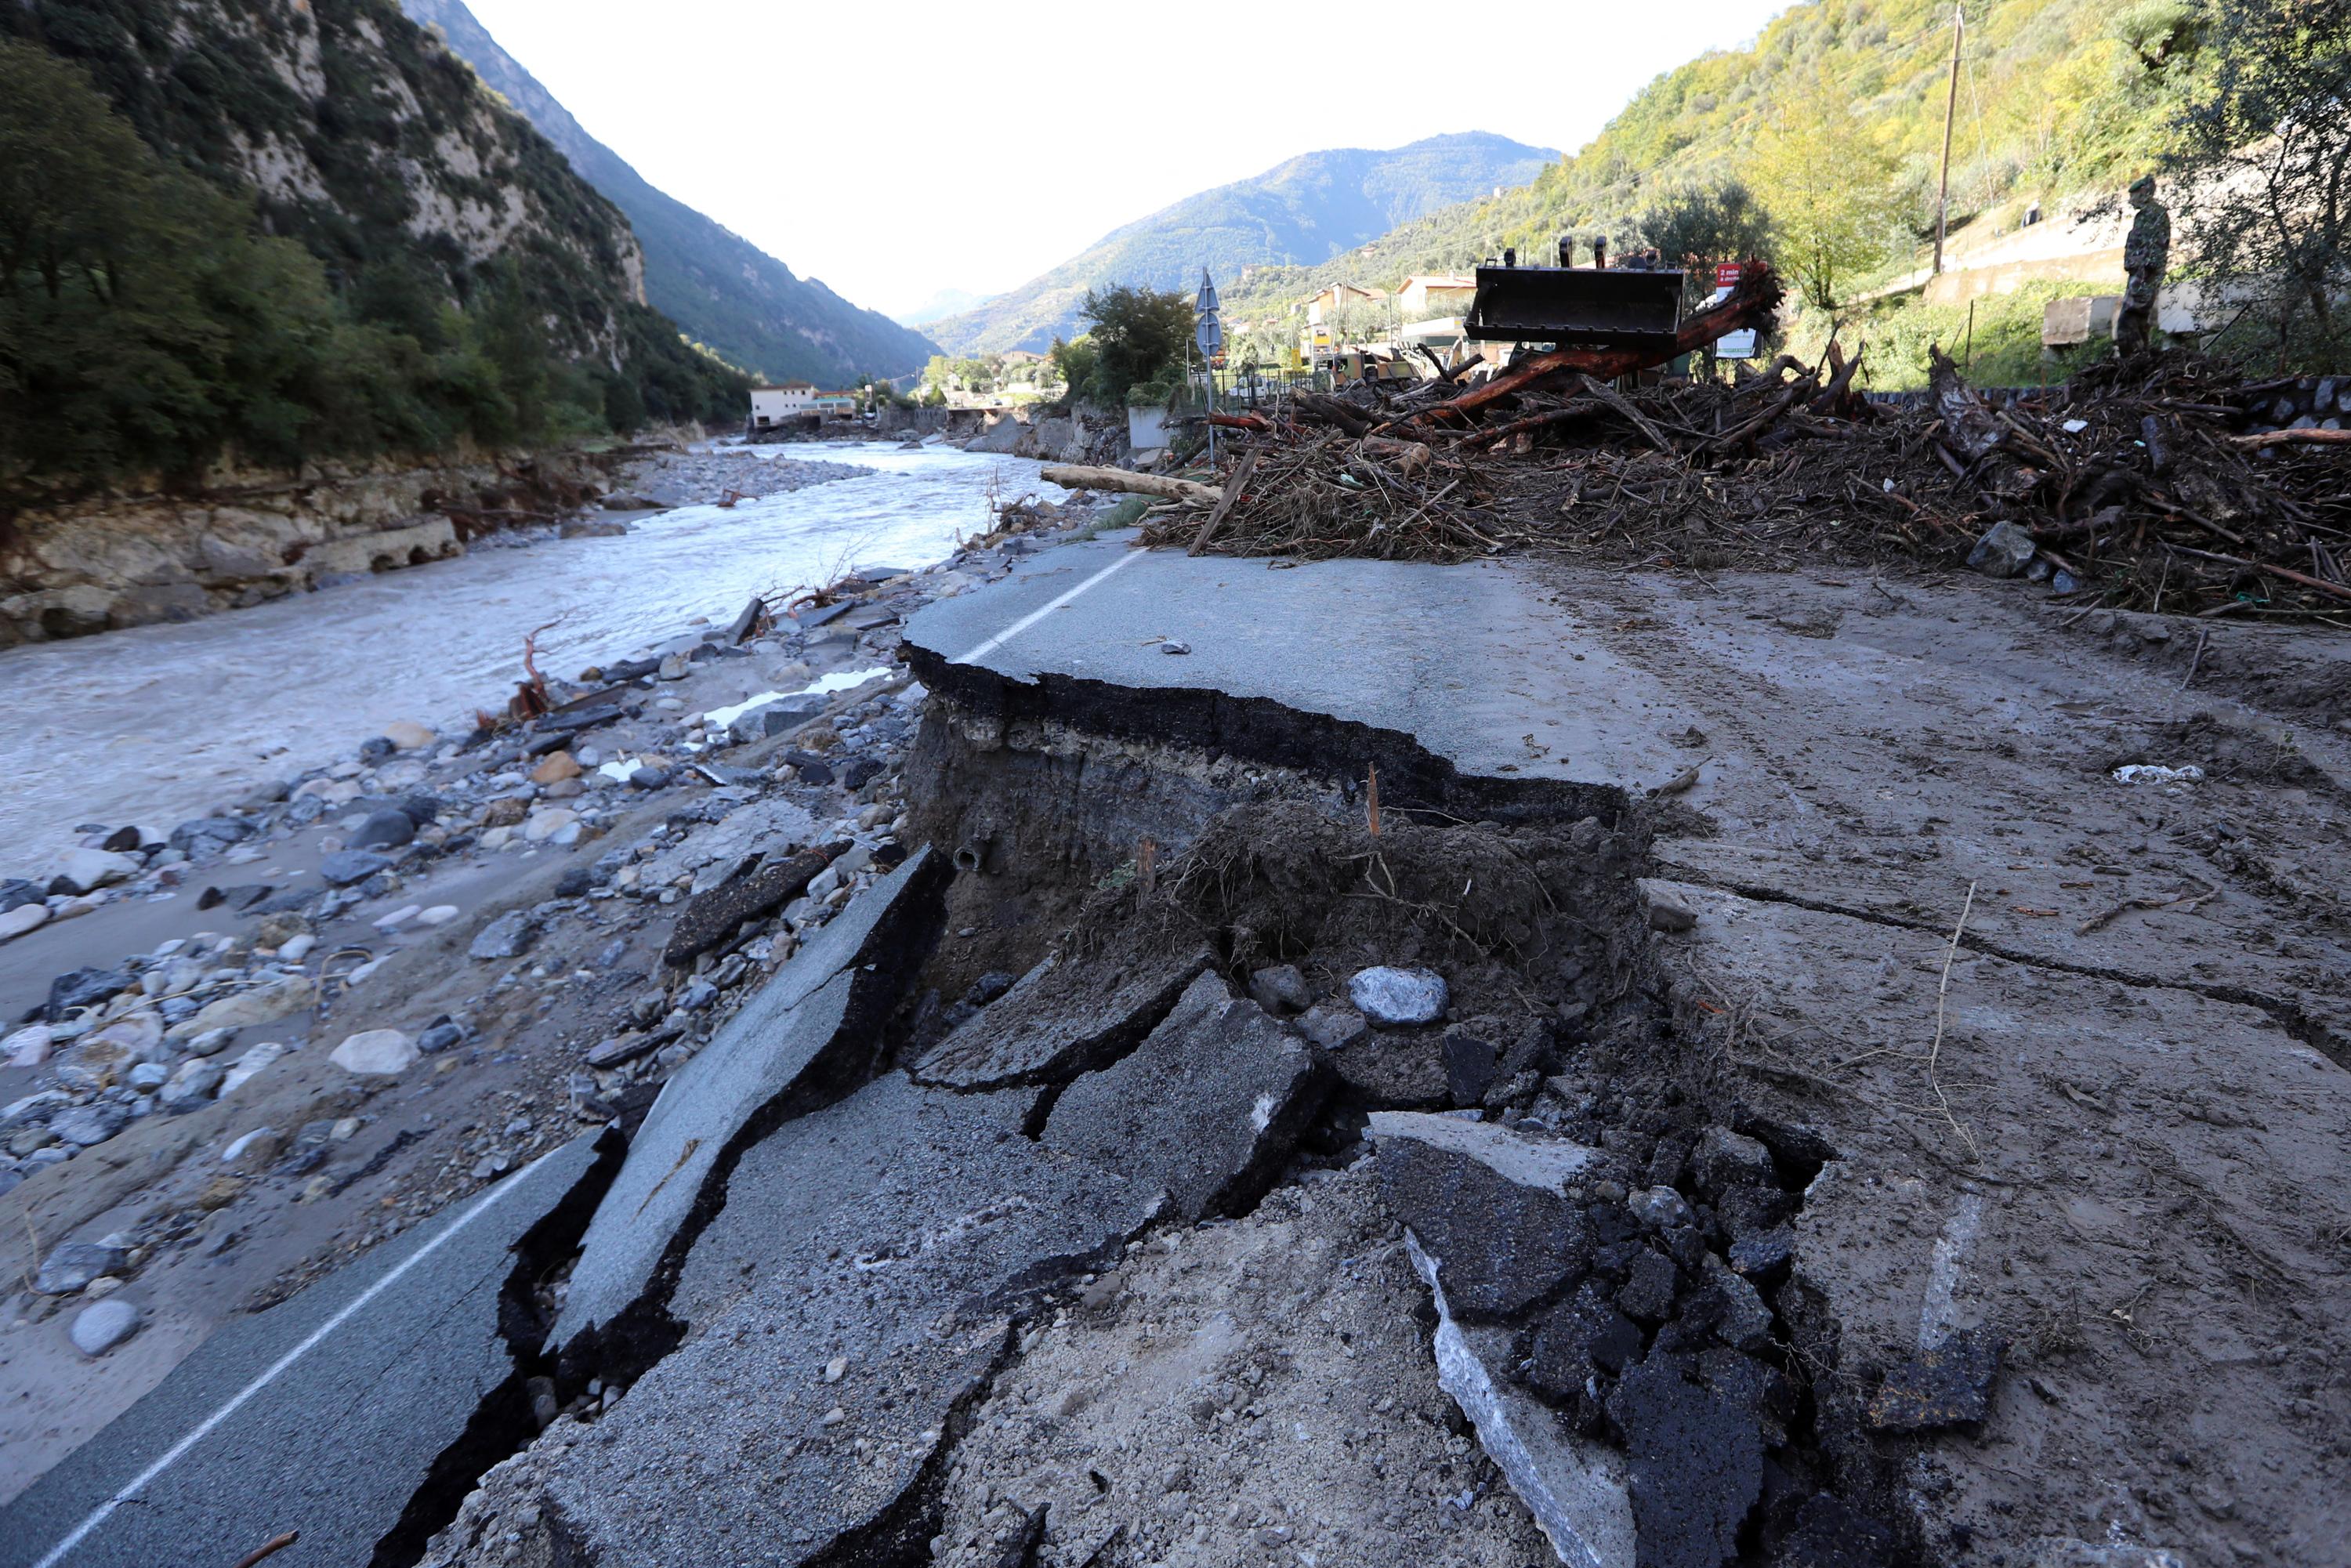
[1345,319]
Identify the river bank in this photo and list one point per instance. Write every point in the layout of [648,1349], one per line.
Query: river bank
[433,897]
[157,723]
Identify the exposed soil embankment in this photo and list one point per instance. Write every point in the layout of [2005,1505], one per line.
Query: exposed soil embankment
[116,561]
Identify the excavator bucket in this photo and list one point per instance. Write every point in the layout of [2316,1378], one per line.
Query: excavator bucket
[1576,307]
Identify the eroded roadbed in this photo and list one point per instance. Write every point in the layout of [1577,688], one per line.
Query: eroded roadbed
[1465,1066]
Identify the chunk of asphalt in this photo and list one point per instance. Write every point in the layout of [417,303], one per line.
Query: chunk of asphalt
[708,918]
[1206,1108]
[1489,1205]
[1066,1015]
[1578,1337]
[894,1233]
[1696,1459]
[1577,1490]
[808,1035]
[400,1353]
[1948,1384]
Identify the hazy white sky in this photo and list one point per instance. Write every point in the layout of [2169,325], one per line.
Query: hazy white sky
[895,149]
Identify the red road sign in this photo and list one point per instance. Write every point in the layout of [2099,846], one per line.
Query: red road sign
[1726,275]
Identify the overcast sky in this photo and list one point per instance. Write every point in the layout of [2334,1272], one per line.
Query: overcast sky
[893,149]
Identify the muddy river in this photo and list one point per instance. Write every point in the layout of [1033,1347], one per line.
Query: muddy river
[158,723]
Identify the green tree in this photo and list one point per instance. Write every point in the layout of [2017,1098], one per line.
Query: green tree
[1693,224]
[1139,337]
[1828,189]
[1074,362]
[2264,145]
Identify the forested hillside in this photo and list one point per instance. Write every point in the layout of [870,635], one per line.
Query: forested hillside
[286,231]
[722,290]
[2057,97]
[1314,205]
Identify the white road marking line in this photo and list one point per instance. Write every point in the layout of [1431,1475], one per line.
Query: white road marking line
[179,1449]
[1010,633]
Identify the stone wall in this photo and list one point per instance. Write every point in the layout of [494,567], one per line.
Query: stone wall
[127,560]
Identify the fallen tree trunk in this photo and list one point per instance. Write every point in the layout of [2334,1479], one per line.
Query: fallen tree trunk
[1749,303]
[1133,483]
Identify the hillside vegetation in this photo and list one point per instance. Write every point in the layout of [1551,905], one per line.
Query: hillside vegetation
[1313,206]
[2058,100]
[281,234]
[722,290]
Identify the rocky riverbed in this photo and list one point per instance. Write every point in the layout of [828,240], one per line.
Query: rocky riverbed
[394,978]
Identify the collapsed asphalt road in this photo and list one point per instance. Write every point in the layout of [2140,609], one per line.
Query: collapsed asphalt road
[410,1355]
[1735,1195]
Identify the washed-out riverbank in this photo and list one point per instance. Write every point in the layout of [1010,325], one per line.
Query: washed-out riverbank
[155,724]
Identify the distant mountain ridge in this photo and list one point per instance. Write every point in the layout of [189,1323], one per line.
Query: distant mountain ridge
[722,290]
[1306,209]
[945,302]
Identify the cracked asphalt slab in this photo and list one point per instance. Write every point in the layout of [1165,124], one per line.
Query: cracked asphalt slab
[2112,1138]
[325,1415]
[1472,663]
[810,1029]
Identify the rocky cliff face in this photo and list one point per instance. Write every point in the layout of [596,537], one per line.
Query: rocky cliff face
[365,138]
[720,287]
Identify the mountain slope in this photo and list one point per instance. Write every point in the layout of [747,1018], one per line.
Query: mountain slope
[278,232]
[1313,206]
[725,291]
[2057,98]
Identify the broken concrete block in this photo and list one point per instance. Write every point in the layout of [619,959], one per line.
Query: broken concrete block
[1488,1203]
[1577,1490]
[1066,1015]
[804,1038]
[1724,1159]
[708,918]
[1207,1107]
[1668,912]
[510,935]
[1578,1338]
[1470,1062]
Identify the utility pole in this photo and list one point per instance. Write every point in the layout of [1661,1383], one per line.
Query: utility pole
[1950,107]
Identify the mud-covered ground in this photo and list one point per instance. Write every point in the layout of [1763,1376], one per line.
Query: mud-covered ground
[1912,1135]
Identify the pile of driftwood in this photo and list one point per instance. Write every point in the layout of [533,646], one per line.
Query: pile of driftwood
[2150,484]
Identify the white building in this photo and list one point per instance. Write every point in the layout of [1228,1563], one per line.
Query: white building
[774,405]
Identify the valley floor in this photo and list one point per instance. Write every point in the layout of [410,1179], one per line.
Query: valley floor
[1884,1102]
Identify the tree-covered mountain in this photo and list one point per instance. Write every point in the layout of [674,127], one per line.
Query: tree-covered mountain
[298,229]
[2057,98]
[725,291]
[1313,206]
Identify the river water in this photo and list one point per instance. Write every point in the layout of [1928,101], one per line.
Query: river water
[159,724]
